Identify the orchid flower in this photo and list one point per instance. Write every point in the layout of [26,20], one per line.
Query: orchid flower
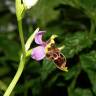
[39,52]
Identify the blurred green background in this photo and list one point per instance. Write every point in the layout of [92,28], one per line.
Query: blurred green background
[74,21]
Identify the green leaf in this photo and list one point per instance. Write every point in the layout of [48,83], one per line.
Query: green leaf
[2,86]
[10,48]
[74,43]
[44,10]
[88,63]
[81,92]
[47,68]
[4,70]
[71,73]
[89,6]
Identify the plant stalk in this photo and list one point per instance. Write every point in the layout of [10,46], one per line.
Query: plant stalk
[16,77]
[22,62]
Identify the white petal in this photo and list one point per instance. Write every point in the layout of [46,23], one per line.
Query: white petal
[29,3]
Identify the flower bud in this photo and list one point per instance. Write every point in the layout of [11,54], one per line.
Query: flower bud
[29,3]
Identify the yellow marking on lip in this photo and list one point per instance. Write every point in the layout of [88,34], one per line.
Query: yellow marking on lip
[51,41]
[65,69]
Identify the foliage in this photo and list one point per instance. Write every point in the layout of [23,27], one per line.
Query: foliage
[74,22]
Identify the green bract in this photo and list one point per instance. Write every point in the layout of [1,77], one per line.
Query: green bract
[19,10]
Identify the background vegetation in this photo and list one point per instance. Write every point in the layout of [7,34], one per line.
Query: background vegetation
[74,21]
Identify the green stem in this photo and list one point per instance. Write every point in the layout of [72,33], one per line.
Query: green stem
[16,77]
[28,53]
[21,65]
[21,36]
